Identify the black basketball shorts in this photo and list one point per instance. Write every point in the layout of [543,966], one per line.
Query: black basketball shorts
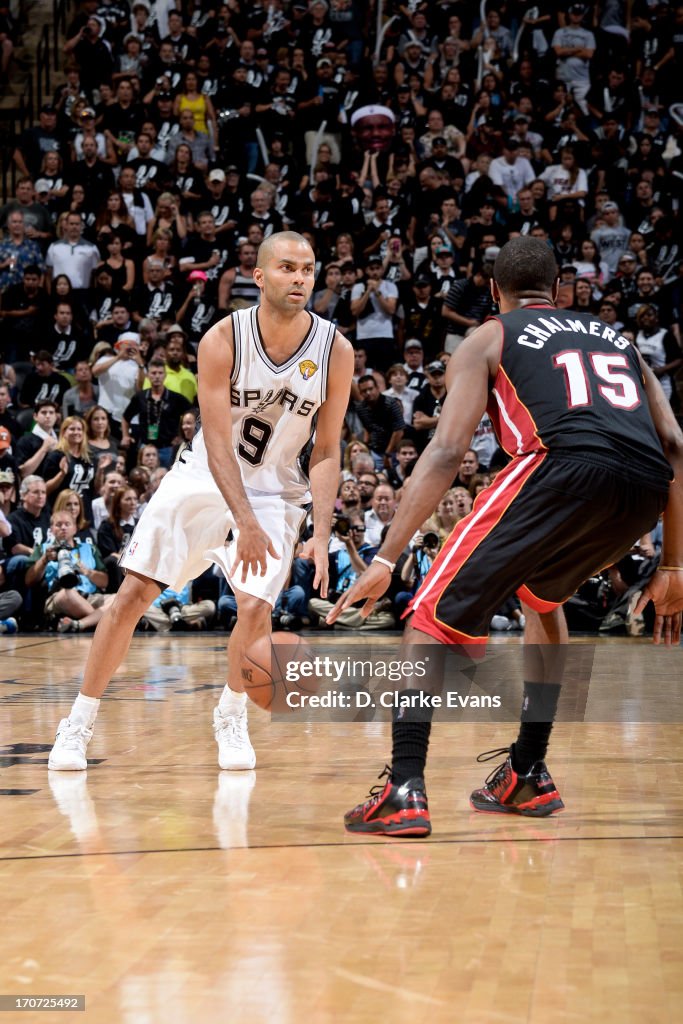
[546,523]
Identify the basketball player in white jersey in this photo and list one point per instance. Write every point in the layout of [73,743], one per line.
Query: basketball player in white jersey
[264,373]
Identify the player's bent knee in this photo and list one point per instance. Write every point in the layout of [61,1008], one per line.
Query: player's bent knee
[252,612]
[134,597]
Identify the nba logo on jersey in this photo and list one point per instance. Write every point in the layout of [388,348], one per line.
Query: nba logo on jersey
[307,368]
[131,548]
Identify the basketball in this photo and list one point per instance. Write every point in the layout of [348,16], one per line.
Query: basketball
[265,670]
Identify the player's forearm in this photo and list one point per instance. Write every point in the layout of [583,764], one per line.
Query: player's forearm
[672,544]
[433,474]
[225,471]
[324,476]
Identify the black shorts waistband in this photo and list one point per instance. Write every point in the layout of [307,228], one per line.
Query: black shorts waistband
[655,480]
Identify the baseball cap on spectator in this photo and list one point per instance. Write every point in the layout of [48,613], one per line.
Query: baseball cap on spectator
[324,62]
[142,3]
[412,343]
[48,108]
[627,257]
[175,329]
[436,367]
[217,175]
[404,87]
[443,250]
[197,275]
[521,119]
[5,441]
[347,266]
[610,206]
[373,259]
[420,280]
[232,169]
[487,201]
[42,186]
[127,338]
[7,476]
[261,52]
[512,143]
[439,141]
[577,8]
[491,253]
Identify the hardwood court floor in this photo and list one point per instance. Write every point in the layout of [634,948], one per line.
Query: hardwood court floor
[168,891]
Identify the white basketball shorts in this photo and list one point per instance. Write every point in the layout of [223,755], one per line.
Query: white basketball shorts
[185,527]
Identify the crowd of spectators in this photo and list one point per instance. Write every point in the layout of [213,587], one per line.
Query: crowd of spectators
[182,137]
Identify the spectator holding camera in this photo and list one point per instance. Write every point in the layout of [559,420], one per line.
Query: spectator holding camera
[423,550]
[119,373]
[349,557]
[73,572]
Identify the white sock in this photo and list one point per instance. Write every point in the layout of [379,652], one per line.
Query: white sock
[231,701]
[85,709]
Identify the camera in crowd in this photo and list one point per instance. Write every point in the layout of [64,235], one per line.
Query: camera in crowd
[67,572]
[430,540]
[342,526]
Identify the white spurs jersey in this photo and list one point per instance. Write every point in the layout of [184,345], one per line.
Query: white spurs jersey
[274,406]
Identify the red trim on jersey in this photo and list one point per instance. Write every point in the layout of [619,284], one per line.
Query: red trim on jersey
[537,603]
[463,542]
[518,430]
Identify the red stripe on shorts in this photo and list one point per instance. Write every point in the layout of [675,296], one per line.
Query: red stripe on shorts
[468,534]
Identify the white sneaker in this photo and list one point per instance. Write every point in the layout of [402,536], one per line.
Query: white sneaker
[68,753]
[235,751]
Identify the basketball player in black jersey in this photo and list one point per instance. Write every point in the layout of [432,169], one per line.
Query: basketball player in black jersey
[593,442]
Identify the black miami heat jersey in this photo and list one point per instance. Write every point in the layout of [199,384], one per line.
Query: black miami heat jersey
[569,381]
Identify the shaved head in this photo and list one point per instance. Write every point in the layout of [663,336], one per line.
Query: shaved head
[268,249]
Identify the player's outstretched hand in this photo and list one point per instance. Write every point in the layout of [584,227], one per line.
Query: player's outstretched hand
[665,590]
[252,546]
[370,585]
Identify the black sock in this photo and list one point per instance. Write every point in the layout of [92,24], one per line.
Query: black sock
[410,741]
[538,712]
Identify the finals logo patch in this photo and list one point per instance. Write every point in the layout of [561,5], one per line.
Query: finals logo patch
[307,368]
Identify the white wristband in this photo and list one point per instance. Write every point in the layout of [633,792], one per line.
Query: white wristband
[385,561]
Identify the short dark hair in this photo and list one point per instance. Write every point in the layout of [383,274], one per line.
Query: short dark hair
[525,264]
[366,376]
[32,269]
[157,362]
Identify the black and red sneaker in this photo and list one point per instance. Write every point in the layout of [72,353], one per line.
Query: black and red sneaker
[392,810]
[506,792]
